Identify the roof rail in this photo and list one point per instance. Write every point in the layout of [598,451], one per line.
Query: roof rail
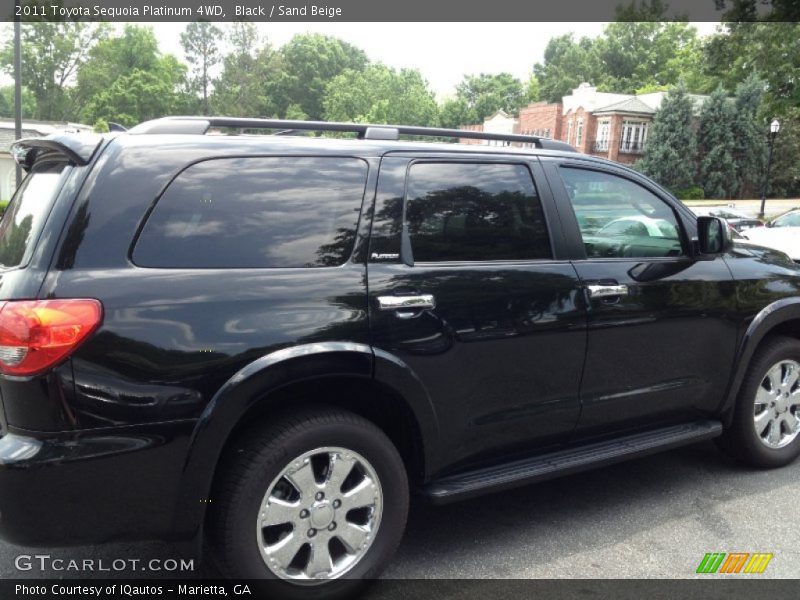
[200,125]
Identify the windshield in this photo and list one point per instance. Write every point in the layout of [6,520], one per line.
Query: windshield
[27,212]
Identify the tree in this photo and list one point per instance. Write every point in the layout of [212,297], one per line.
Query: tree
[772,50]
[199,42]
[785,178]
[51,55]
[719,175]
[141,95]
[750,153]
[380,94]
[566,65]
[118,58]
[533,90]
[638,54]
[671,146]
[308,63]
[455,112]
[7,102]
[241,89]
[486,94]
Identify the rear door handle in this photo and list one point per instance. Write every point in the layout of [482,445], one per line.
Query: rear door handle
[415,302]
[607,291]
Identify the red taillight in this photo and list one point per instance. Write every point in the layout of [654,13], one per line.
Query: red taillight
[37,334]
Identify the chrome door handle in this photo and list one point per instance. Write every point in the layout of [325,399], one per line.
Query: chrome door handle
[607,291]
[406,302]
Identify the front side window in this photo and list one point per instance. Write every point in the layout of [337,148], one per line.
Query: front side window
[256,213]
[790,220]
[474,212]
[620,219]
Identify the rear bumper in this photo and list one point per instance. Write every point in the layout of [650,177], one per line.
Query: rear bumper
[91,487]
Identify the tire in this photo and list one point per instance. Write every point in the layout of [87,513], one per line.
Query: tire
[256,483]
[770,391]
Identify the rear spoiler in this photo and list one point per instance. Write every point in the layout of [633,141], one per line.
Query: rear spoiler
[76,148]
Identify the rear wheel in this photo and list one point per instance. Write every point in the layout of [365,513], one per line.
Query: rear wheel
[313,504]
[766,427]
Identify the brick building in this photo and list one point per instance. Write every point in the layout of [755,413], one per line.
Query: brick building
[612,126]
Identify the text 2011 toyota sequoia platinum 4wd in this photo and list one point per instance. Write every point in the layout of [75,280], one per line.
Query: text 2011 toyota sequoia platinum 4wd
[272,340]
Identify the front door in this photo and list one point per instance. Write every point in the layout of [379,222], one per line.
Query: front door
[660,343]
[465,290]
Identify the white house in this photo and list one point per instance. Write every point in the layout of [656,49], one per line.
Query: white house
[29,129]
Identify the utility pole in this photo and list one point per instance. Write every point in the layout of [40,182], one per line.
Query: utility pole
[18,87]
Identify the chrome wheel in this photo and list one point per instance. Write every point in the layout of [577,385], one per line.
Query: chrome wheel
[776,414]
[319,517]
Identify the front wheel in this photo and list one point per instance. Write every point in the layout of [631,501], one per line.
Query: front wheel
[766,426]
[314,504]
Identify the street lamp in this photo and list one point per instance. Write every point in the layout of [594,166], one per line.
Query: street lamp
[774,128]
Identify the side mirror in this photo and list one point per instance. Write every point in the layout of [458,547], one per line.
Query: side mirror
[713,236]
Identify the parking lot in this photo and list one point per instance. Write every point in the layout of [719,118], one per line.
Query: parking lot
[655,517]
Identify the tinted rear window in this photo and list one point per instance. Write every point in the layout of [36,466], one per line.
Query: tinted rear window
[27,212]
[255,213]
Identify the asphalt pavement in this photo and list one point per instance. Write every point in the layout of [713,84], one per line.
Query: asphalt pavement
[655,517]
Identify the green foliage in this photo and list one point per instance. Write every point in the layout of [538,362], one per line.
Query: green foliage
[308,63]
[101,126]
[379,94]
[240,90]
[671,147]
[718,173]
[455,112]
[750,153]
[785,177]
[771,50]
[533,90]
[135,97]
[200,42]
[694,192]
[486,94]
[295,112]
[52,52]
[7,102]
[129,59]
[566,65]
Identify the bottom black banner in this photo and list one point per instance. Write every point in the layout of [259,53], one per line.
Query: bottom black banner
[611,589]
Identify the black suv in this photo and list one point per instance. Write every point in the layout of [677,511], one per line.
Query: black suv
[270,341]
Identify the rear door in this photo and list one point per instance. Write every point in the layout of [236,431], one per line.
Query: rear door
[466,287]
[661,341]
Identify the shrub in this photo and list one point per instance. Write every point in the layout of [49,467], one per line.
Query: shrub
[694,192]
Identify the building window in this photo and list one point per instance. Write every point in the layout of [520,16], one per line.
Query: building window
[634,137]
[569,131]
[603,135]
[579,133]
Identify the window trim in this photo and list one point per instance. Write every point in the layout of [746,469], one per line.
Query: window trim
[157,198]
[406,251]
[684,237]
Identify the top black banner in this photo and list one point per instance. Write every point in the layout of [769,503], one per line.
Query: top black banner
[401,10]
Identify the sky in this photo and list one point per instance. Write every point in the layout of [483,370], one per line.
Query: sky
[443,52]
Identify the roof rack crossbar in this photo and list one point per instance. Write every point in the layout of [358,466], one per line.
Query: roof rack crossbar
[200,125]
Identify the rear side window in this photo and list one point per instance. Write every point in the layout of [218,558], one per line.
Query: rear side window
[256,213]
[25,216]
[474,212]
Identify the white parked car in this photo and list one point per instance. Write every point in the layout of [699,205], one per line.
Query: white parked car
[783,234]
